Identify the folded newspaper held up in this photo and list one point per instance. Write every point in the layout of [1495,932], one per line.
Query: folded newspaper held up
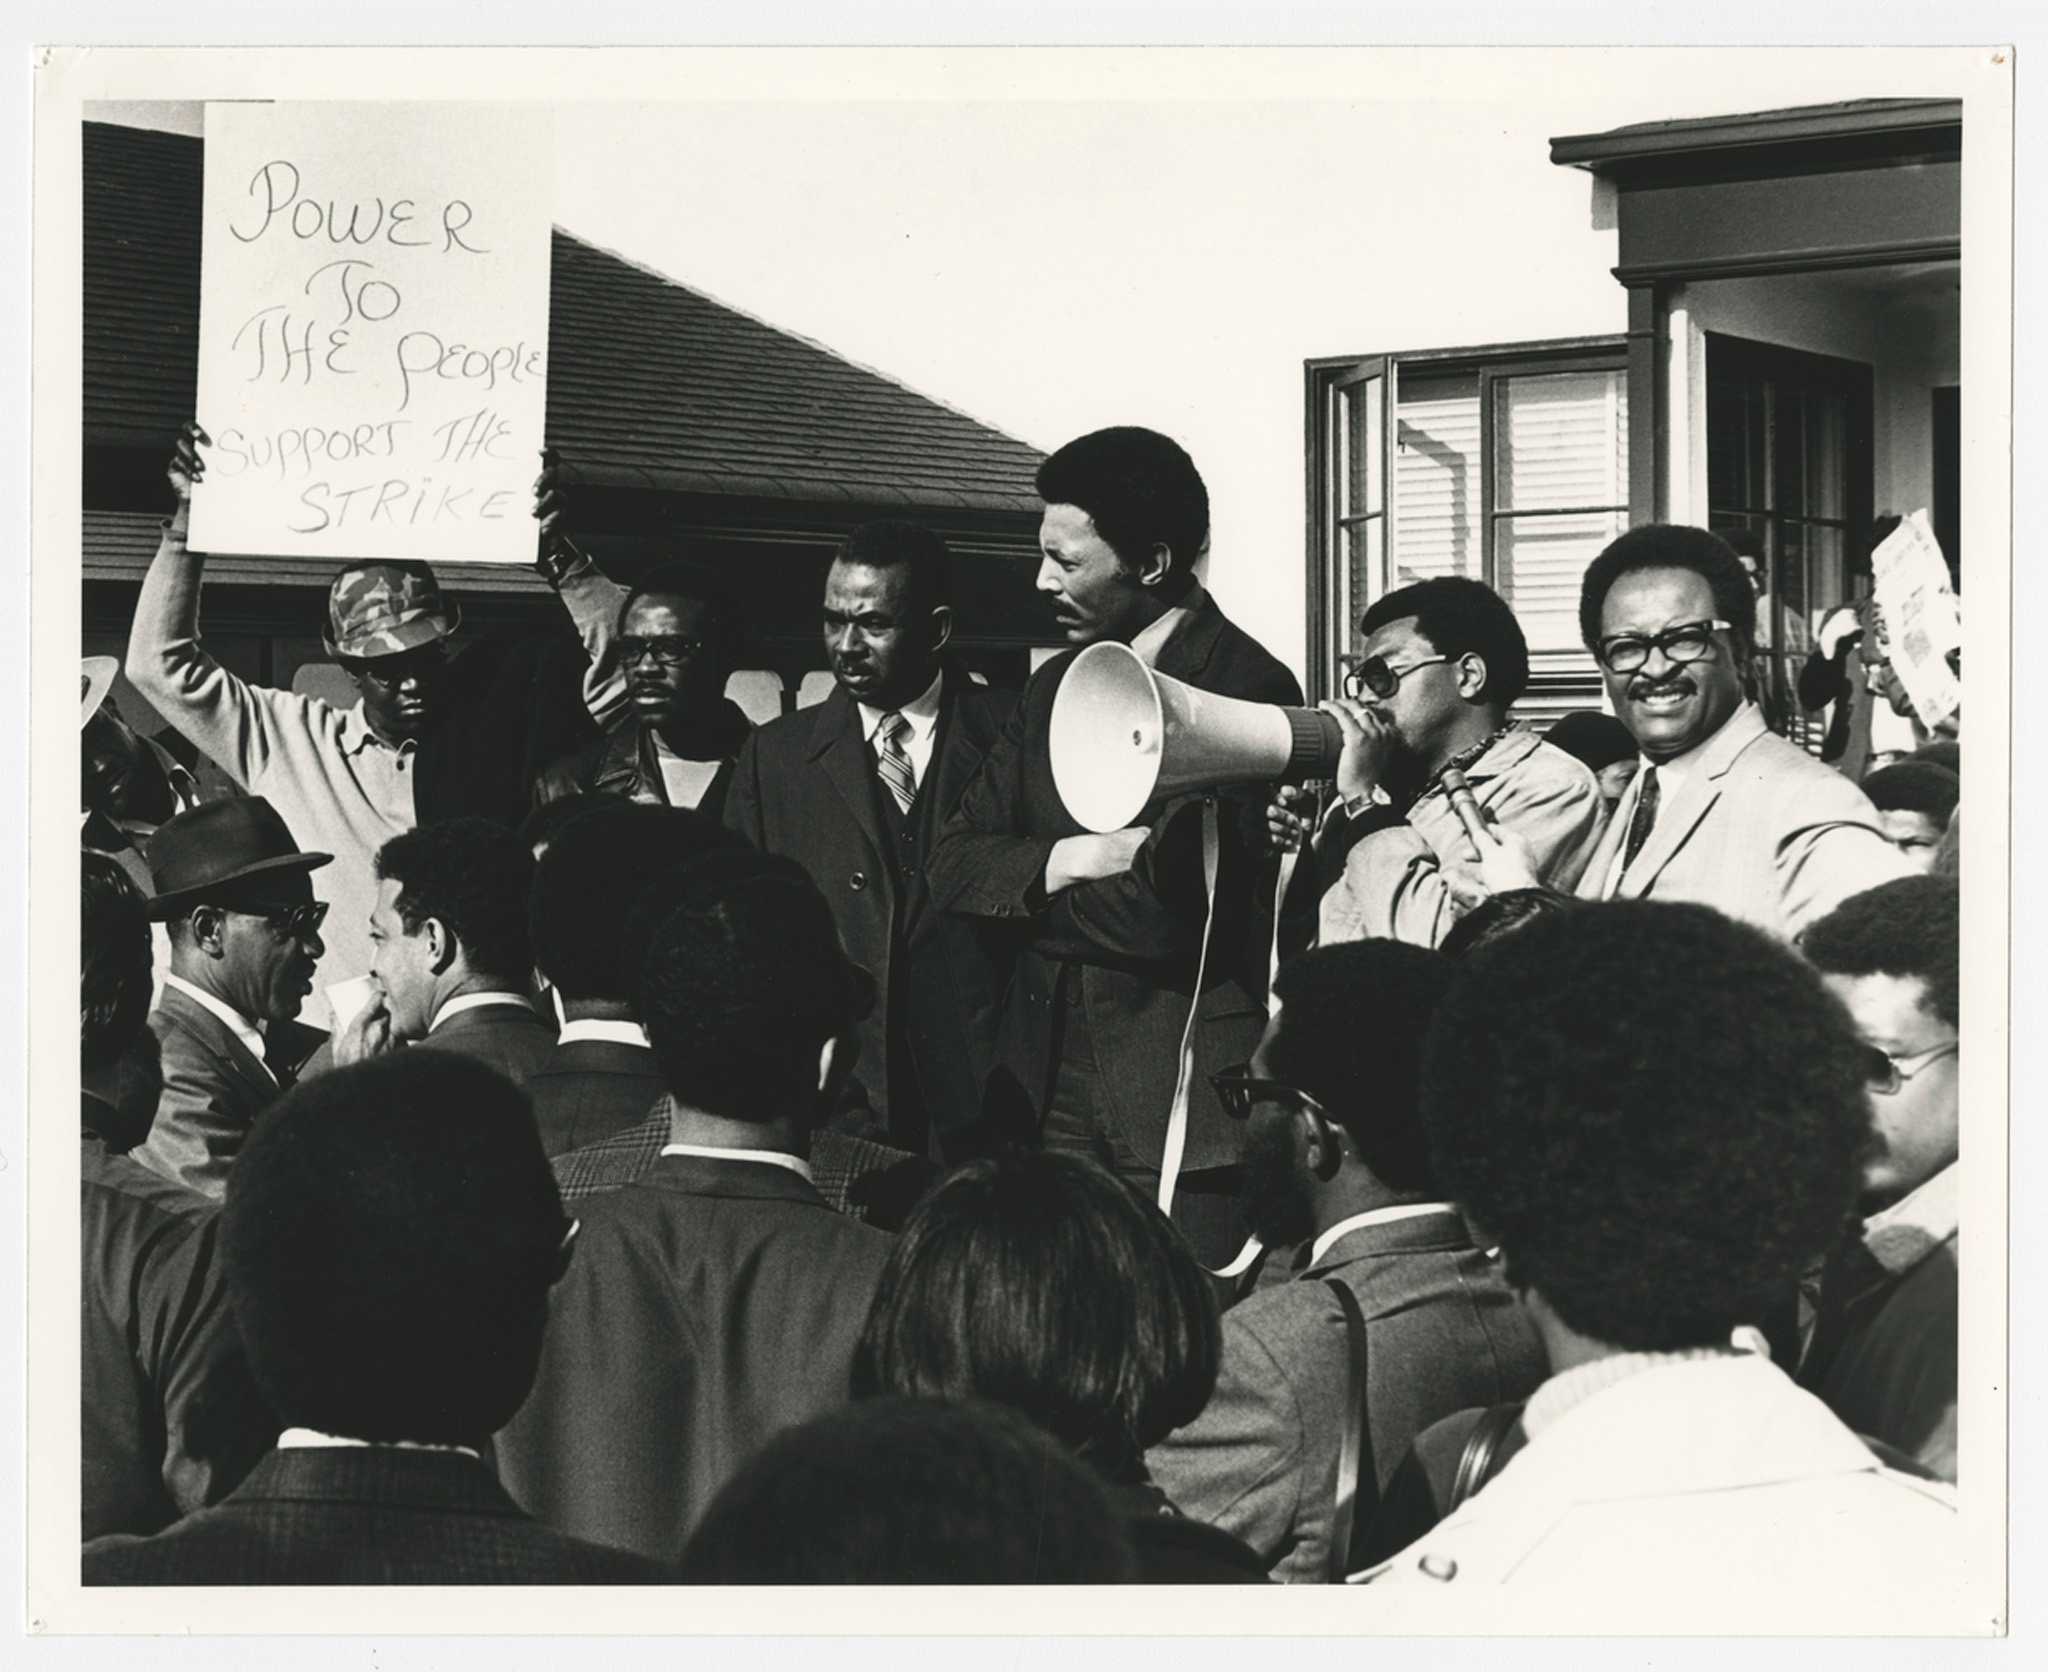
[1922,620]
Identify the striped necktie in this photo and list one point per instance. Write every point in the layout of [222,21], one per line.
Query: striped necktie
[892,760]
[1642,819]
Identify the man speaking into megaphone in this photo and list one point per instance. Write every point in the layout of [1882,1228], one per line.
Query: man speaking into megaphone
[1112,924]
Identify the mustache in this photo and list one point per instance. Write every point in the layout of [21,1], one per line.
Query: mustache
[1659,687]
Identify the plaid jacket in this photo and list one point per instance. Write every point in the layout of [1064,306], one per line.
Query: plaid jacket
[870,1181]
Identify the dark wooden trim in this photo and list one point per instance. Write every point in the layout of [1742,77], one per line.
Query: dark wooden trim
[1315,517]
[1875,132]
[1772,263]
[1473,356]
[1647,423]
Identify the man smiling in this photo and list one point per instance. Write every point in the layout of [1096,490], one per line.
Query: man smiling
[1723,812]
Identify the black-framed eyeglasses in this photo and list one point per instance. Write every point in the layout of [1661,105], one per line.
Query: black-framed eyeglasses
[295,922]
[666,651]
[1383,678]
[1887,1073]
[1689,641]
[1240,1091]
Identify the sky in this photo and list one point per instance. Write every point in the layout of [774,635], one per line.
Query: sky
[1054,242]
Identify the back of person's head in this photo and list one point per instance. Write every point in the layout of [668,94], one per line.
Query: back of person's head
[1593,737]
[1352,1021]
[390,1236]
[473,874]
[743,983]
[1462,617]
[588,884]
[540,827]
[1908,927]
[1913,786]
[114,961]
[1141,490]
[911,1492]
[1500,914]
[920,552]
[1042,1282]
[1943,752]
[1658,1113]
[1670,546]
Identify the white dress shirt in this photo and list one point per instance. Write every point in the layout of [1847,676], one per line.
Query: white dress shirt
[311,1439]
[923,714]
[771,1158]
[684,780]
[1375,1216]
[1152,640]
[592,1027]
[248,1032]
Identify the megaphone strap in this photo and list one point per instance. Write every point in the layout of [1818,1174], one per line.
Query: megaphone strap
[1177,1117]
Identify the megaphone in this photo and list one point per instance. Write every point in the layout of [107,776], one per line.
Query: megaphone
[1122,734]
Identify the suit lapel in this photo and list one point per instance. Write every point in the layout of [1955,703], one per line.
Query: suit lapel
[956,752]
[1189,646]
[215,1035]
[1679,817]
[842,753]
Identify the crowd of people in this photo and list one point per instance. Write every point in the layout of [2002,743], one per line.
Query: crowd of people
[804,1154]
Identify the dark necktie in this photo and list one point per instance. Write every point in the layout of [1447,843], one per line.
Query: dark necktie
[1642,819]
[892,760]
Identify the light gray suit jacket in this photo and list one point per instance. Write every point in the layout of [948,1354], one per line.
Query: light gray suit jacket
[1759,830]
[1444,1332]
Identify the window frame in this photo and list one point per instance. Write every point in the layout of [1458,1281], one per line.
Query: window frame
[1326,378]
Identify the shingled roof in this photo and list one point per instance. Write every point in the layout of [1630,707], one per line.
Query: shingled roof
[651,384]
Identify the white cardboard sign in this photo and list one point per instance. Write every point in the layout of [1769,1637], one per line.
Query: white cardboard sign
[373,329]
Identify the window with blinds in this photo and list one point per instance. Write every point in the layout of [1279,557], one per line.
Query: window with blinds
[1508,466]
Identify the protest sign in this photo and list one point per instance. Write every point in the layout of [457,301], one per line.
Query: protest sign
[1919,619]
[373,330]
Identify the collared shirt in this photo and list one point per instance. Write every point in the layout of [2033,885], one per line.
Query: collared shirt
[616,1033]
[1152,640]
[248,1032]
[311,1439]
[475,1001]
[771,1158]
[923,715]
[1903,1234]
[1578,1384]
[1375,1216]
[1672,777]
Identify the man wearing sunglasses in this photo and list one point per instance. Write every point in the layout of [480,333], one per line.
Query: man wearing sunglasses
[1723,812]
[1336,1159]
[434,735]
[237,895]
[1882,1351]
[1443,662]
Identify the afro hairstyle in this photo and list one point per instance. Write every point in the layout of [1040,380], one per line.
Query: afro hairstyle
[391,1233]
[1670,546]
[1910,926]
[1460,617]
[1658,1112]
[1139,488]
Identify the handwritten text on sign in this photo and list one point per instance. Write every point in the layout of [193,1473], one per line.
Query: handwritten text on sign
[373,330]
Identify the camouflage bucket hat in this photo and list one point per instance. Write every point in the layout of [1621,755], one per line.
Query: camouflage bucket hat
[384,609]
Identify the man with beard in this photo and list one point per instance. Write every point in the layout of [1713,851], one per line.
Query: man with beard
[1723,812]
[1443,661]
[245,937]
[855,789]
[678,641]
[435,734]
[1090,1046]
[1335,1156]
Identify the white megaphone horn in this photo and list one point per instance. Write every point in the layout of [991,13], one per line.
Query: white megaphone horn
[1122,734]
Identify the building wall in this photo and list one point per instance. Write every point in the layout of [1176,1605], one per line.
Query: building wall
[1904,325]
